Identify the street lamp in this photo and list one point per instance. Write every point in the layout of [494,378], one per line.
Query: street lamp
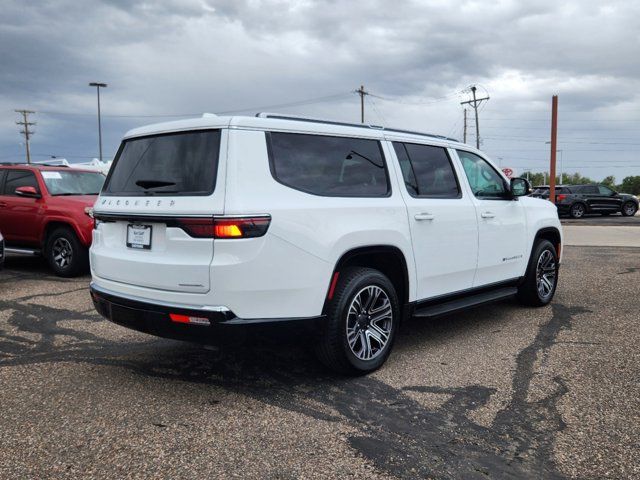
[98,85]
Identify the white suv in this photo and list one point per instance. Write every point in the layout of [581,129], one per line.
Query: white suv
[243,220]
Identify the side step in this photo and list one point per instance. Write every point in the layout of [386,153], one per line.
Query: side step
[463,303]
[22,251]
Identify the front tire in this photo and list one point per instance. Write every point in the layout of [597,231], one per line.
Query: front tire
[66,256]
[629,209]
[362,319]
[541,279]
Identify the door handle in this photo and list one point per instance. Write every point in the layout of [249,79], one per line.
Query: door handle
[488,215]
[424,216]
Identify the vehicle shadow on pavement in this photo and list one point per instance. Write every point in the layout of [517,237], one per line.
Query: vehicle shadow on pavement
[395,432]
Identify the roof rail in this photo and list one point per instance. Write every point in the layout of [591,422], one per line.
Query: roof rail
[347,124]
[34,164]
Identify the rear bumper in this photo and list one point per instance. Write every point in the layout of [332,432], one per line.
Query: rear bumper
[154,318]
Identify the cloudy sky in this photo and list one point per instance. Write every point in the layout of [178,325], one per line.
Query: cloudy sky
[165,59]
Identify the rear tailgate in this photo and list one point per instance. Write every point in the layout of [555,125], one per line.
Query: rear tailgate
[157,187]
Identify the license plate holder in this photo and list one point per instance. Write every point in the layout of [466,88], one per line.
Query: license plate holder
[139,236]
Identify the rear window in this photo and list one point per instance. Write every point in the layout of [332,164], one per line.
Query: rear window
[182,163]
[427,171]
[328,166]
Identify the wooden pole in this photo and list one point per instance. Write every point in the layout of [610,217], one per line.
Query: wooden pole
[554,145]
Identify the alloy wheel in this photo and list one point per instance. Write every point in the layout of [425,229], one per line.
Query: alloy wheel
[369,322]
[62,252]
[629,209]
[577,211]
[546,274]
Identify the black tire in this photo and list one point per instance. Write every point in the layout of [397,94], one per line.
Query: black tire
[629,209]
[529,292]
[577,210]
[66,256]
[333,347]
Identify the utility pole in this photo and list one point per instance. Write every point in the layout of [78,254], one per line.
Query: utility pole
[26,132]
[475,103]
[464,131]
[554,149]
[98,85]
[361,91]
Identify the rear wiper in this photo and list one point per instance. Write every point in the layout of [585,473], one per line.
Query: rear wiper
[153,183]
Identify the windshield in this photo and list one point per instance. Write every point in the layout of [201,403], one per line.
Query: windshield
[171,164]
[68,182]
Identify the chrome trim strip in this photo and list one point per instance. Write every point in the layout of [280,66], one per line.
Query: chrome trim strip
[22,251]
[135,298]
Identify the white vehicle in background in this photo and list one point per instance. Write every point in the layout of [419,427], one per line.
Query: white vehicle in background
[243,220]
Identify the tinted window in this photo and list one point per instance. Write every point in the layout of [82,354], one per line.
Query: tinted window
[427,170]
[484,179]
[19,178]
[590,189]
[605,190]
[72,183]
[330,166]
[174,164]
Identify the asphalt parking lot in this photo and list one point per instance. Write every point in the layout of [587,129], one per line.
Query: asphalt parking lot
[497,392]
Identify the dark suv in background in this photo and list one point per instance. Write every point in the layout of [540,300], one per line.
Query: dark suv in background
[576,200]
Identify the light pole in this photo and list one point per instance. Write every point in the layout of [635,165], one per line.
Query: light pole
[98,85]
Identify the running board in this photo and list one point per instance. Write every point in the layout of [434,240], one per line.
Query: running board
[22,251]
[463,303]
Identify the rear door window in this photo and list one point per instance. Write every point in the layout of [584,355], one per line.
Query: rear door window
[182,163]
[19,178]
[427,170]
[327,165]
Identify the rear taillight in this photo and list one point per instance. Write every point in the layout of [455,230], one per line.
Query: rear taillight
[560,198]
[225,227]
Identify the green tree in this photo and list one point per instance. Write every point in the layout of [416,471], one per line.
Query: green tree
[630,185]
[609,181]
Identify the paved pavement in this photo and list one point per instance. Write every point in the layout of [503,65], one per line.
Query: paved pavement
[498,392]
[604,220]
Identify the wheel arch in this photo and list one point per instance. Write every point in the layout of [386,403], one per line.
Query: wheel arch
[51,225]
[387,259]
[551,234]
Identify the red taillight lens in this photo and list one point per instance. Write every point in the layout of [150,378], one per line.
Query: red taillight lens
[560,198]
[176,317]
[225,227]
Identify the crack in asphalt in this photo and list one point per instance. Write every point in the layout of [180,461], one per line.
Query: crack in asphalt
[396,433]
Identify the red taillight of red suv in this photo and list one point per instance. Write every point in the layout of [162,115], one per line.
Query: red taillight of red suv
[225,227]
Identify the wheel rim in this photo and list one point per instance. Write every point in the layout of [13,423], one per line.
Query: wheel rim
[578,211]
[629,209]
[62,252]
[546,274]
[369,322]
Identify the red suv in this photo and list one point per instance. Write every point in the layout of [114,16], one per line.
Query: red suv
[46,210]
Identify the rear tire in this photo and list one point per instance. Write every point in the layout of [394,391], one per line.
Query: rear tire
[66,256]
[577,210]
[362,319]
[541,279]
[629,209]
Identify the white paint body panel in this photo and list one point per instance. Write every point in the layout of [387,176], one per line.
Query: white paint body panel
[287,272]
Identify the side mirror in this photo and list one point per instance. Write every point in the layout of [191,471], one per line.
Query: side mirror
[520,187]
[30,192]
